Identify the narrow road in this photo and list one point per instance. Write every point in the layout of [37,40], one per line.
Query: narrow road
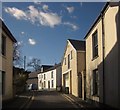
[49,99]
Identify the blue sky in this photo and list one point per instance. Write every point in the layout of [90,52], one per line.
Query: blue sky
[43,28]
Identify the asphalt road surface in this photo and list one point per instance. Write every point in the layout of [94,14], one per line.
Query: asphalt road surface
[49,99]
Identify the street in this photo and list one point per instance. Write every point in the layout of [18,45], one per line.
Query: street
[49,99]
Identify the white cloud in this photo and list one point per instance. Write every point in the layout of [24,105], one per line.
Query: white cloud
[22,32]
[31,41]
[73,26]
[19,43]
[70,9]
[17,13]
[44,18]
[38,2]
[45,7]
[34,15]
[49,19]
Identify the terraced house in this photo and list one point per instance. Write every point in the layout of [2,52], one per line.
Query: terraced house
[103,57]
[51,78]
[32,80]
[73,68]
[6,62]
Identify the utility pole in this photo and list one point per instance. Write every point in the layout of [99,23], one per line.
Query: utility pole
[24,62]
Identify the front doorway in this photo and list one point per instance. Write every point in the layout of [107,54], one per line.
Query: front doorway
[48,84]
[70,82]
[80,85]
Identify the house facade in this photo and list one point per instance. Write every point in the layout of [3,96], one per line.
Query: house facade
[32,80]
[51,78]
[103,57]
[6,62]
[73,67]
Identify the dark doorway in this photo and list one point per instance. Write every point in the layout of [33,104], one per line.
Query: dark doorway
[48,84]
[80,85]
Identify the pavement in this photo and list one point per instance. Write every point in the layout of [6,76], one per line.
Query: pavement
[18,102]
[85,104]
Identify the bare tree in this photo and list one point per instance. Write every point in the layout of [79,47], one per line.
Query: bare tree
[35,63]
[17,58]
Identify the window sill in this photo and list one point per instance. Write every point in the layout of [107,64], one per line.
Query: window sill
[95,57]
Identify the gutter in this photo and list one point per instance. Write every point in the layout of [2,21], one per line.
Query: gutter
[103,55]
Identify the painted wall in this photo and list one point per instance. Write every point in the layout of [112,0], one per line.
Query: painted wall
[111,58]
[48,78]
[77,64]
[73,68]
[7,66]
[92,64]
[111,74]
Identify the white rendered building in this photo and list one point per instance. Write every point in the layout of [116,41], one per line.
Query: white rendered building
[50,78]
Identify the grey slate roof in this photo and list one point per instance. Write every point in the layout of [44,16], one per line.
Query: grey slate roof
[78,44]
[54,67]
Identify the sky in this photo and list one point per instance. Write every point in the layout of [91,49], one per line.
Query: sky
[42,28]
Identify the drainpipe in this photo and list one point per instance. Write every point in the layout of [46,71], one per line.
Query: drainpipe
[118,53]
[103,55]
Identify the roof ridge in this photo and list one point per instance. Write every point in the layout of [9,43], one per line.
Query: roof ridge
[76,39]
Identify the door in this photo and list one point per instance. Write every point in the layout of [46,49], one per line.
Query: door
[66,80]
[48,84]
[71,82]
[80,85]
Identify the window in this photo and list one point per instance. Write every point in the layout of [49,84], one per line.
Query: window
[68,61]
[95,82]
[71,56]
[65,61]
[95,44]
[44,76]
[52,74]
[3,82]
[40,81]
[44,84]
[3,46]
[52,83]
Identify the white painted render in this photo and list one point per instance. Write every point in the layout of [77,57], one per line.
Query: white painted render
[48,78]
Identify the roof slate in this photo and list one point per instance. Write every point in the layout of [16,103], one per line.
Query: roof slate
[78,44]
